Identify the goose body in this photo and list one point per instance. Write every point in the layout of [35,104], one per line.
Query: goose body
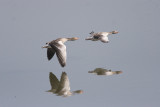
[101,71]
[62,87]
[57,46]
[102,36]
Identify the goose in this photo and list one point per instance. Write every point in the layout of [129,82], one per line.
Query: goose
[62,87]
[102,36]
[57,46]
[101,71]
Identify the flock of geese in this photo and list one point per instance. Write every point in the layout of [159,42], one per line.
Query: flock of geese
[62,87]
[57,46]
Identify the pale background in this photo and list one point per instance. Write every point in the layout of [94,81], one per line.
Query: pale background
[26,25]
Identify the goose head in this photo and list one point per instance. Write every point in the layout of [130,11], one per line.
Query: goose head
[118,72]
[47,45]
[78,92]
[114,32]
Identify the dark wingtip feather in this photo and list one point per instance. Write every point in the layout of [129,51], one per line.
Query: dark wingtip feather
[63,65]
[48,58]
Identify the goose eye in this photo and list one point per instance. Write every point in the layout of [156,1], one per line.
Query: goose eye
[46,43]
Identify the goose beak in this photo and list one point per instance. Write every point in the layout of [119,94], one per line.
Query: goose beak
[78,91]
[75,38]
[114,32]
[118,72]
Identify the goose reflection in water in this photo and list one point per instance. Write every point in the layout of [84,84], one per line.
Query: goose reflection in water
[102,71]
[62,87]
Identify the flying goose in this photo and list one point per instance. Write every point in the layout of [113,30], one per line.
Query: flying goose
[57,46]
[62,87]
[102,36]
[101,71]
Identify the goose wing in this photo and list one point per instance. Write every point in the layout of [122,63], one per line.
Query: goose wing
[53,81]
[64,85]
[60,50]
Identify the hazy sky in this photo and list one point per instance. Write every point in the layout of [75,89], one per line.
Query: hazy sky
[26,25]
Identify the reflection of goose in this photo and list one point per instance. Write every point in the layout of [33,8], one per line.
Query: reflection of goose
[102,36]
[62,87]
[101,71]
[57,46]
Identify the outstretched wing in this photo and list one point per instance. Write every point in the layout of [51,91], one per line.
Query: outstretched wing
[64,85]
[53,81]
[60,50]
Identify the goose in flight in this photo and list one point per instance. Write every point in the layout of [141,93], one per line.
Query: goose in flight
[57,46]
[101,71]
[102,36]
[62,87]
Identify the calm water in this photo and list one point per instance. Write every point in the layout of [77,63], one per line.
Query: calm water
[24,71]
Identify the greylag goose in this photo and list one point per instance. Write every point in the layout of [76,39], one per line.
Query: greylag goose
[62,87]
[101,71]
[102,36]
[57,46]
